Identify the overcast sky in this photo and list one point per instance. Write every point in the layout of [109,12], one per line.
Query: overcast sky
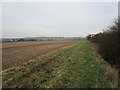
[56,19]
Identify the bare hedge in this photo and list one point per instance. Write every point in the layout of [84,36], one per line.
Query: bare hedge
[109,42]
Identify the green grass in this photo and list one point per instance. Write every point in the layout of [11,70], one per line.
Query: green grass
[73,67]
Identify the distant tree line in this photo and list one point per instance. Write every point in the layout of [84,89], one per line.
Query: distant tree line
[109,43]
[40,39]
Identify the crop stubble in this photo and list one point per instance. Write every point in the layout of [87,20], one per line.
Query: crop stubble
[16,53]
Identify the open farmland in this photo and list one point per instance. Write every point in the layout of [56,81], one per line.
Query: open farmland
[76,66]
[16,53]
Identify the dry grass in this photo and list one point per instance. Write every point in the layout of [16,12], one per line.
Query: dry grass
[14,54]
[111,72]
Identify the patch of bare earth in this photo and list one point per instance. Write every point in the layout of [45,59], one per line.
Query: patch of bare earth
[16,53]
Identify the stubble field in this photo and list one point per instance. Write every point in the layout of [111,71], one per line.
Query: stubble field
[16,53]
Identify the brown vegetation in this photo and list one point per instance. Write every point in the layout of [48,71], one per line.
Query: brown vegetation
[14,54]
[109,45]
[111,73]
[108,42]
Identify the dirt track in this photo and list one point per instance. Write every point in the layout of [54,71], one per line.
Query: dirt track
[14,54]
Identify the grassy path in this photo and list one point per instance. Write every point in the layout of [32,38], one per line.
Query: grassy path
[72,67]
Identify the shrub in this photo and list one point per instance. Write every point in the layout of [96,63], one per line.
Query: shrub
[109,42]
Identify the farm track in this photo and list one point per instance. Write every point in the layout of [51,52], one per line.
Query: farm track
[14,54]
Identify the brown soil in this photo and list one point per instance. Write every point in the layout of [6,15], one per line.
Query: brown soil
[16,53]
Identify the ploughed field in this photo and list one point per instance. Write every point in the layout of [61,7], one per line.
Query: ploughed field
[16,53]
